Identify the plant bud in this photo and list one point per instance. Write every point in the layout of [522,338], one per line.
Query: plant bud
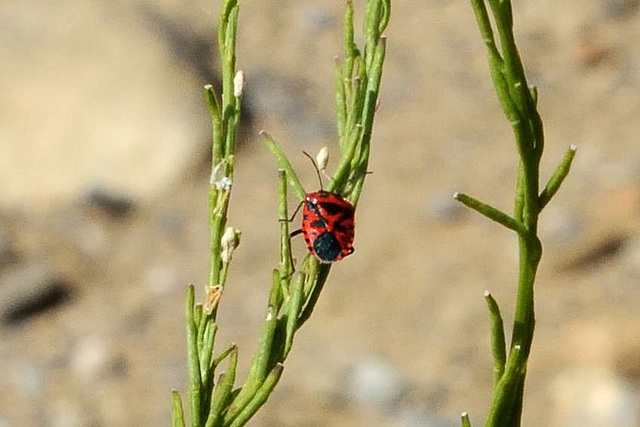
[322,158]
[238,84]
[228,243]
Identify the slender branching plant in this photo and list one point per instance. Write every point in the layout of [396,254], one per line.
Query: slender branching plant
[215,402]
[519,102]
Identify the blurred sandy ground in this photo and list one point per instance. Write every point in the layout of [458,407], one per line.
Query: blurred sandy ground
[103,160]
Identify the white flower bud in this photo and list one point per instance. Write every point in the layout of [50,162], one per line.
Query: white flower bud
[238,84]
[228,243]
[322,158]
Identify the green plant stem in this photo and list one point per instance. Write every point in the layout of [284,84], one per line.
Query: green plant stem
[216,125]
[557,178]
[295,305]
[290,302]
[519,104]
[177,414]
[284,164]
[259,398]
[225,122]
[286,264]
[232,348]
[502,411]
[490,212]
[223,390]
[317,277]
[194,363]
[464,419]
[498,345]
[258,369]
[206,367]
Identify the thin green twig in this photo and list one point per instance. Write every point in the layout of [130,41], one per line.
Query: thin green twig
[194,363]
[284,164]
[290,302]
[498,345]
[490,212]
[519,104]
[177,414]
[464,419]
[558,177]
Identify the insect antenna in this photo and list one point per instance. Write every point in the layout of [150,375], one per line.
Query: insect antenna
[315,166]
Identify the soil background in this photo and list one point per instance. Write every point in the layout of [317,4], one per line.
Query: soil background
[104,141]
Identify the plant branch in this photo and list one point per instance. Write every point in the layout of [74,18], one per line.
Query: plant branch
[519,103]
[490,212]
[290,303]
[464,418]
[177,414]
[557,178]
[498,345]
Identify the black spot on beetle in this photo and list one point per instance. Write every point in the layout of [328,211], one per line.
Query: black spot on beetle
[332,208]
[326,247]
[318,223]
[340,228]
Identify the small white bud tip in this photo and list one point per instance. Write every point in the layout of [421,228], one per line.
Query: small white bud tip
[322,158]
[456,195]
[208,87]
[486,294]
[573,148]
[228,236]
[464,414]
[228,243]
[238,84]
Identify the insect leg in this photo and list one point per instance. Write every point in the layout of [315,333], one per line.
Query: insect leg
[292,216]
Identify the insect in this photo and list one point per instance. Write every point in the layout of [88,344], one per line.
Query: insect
[328,223]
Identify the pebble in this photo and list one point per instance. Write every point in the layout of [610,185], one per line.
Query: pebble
[91,237]
[595,397]
[286,99]
[161,279]
[7,255]
[559,226]
[418,418]
[618,9]
[631,258]
[27,378]
[444,208]
[596,253]
[29,290]
[129,120]
[374,381]
[116,206]
[67,414]
[315,19]
[93,357]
